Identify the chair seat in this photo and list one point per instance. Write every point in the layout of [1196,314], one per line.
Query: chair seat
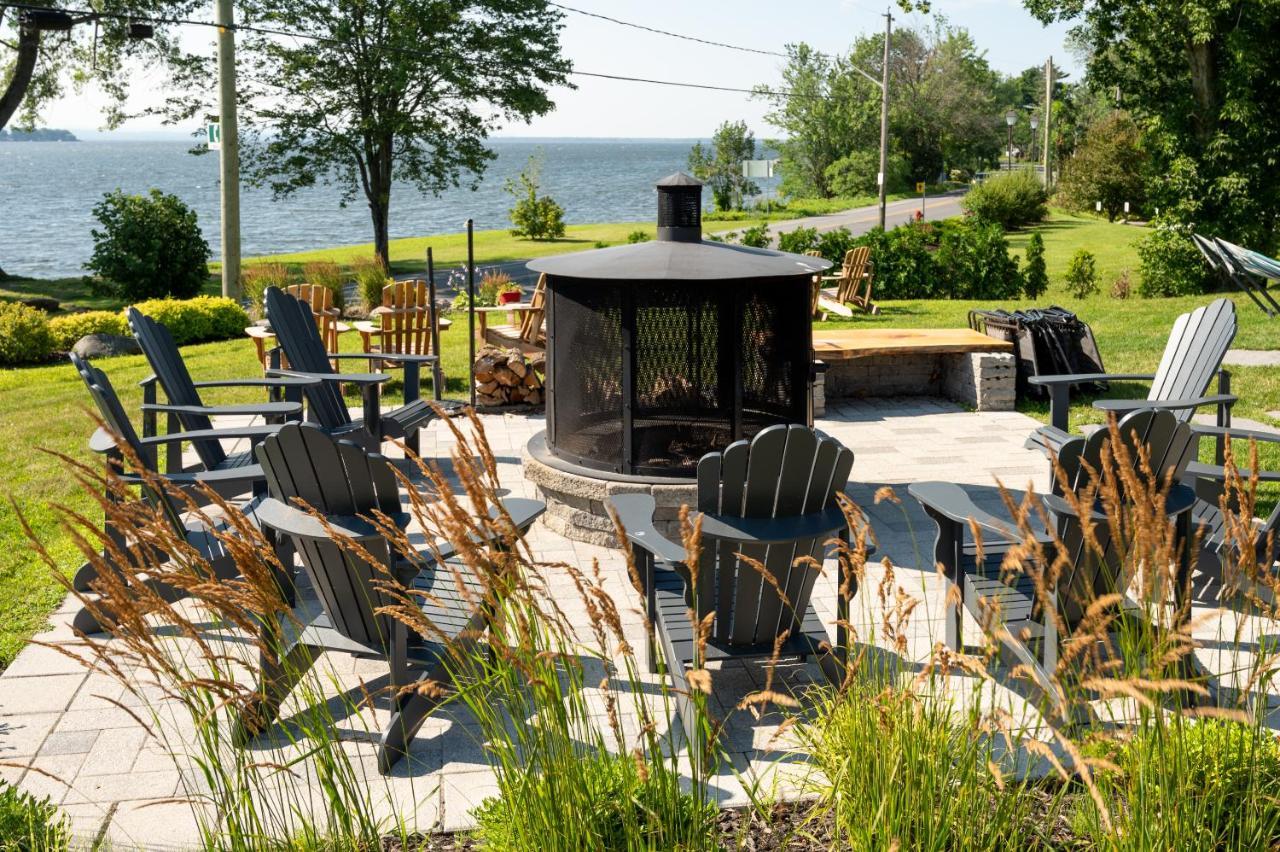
[407,419]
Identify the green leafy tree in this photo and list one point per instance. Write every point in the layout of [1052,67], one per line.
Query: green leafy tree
[149,246]
[719,165]
[392,91]
[535,216]
[1199,77]
[1037,279]
[1109,167]
[1082,274]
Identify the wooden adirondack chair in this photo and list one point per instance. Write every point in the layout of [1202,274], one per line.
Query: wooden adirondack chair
[402,325]
[328,320]
[1197,344]
[771,499]
[304,348]
[184,406]
[852,285]
[530,334]
[347,485]
[1022,629]
[233,477]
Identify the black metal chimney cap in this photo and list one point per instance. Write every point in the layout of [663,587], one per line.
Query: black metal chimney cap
[679,209]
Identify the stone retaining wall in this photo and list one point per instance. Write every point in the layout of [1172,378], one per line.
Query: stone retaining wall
[575,503]
[983,380]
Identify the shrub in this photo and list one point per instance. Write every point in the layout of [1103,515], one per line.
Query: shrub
[1170,264]
[1036,278]
[629,808]
[28,823]
[24,335]
[757,236]
[904,265]
[535,216]
[199,319]
[833,244]
[1108,167]
[1011,199]
[255,279]
[639,236]
[371,277]
[328,275]
[149,246]
[599,244]
[856,174]
[973,262]
[69,328]
[798,241]
[1082,274]
[1122,287]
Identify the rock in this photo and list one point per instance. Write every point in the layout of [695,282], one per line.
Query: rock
[105,345]
[48,304]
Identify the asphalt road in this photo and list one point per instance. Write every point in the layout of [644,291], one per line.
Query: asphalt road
[858,221]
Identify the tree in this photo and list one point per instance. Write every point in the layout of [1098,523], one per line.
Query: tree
[1108,167]
[1198,76]
[535,216]
[149,247]
[387,91]
[720,165]
[35,67]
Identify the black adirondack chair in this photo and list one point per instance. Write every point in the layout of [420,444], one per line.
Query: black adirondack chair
[1022,629]
[771,499]
[1230,270]
[1197,344]
[295,329]
[347,484]
[233,479]
[185,408]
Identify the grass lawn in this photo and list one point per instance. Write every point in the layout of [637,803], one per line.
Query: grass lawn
[44,407]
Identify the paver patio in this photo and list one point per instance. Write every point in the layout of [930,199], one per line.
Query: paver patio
[63,735]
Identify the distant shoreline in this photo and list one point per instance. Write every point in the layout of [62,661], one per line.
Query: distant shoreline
[40,134]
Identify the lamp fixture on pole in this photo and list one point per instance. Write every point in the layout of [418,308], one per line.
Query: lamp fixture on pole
[1010,118]
[1035,122]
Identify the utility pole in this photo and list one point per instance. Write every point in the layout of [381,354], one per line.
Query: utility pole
[229,172]
[1048,118]
[884,113]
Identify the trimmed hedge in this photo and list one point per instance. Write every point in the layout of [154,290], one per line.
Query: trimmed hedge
[953,259]
[69,328]
[24,335]
[199,319]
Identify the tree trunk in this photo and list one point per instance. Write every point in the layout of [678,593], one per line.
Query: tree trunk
[24,67]
[378,194]
[1204,87]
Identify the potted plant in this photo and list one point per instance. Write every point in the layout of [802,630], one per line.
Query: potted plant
[509,293]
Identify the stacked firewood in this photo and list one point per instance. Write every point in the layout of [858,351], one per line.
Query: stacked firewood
[509,377]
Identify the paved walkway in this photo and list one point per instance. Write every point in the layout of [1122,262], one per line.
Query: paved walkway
[73,734]
[862,219]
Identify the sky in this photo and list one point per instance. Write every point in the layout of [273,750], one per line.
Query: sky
[1011,38]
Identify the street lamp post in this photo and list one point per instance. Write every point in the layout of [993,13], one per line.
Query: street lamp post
[1035,122]
[1010,118]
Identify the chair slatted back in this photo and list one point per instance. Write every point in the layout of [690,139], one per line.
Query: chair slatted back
[1192,357]
[320,300]
[117,422]
[298,336]
[171,371]
[532,319]
[783,471]
[815,286]
[303,463]
[1169,445]
[852,272]
[405,318]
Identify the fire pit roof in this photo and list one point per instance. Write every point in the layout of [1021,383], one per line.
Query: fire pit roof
[679,261]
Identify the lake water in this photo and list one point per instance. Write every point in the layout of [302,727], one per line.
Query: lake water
[48,190]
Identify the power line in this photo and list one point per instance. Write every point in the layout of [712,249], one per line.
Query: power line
[668,33]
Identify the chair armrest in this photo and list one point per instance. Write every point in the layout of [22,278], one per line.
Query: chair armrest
[406,358]
[248,474]
[102,441]
[354,378]
[211,435]
[496,309]
[1181,498]
[1218,473]
[1119,405]
[954,503]
[635,511]
[262,408]
[276,382]
[1074,378]
[293,521]
[1236,434]
[774,530]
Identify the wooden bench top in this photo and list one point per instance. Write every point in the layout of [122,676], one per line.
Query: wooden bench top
[845,344]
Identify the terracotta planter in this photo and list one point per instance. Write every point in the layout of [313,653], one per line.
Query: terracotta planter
[509,298]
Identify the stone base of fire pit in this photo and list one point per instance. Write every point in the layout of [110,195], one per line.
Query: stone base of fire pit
[576,496]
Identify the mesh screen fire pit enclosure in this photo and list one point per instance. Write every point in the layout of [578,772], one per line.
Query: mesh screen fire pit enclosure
[660,352]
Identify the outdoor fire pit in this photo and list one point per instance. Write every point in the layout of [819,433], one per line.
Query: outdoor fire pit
[660,352]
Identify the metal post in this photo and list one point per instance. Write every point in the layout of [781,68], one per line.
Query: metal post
[471,310]
[1048,118]
[433,316]
[884,114]
[1009,147]
[229,173]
